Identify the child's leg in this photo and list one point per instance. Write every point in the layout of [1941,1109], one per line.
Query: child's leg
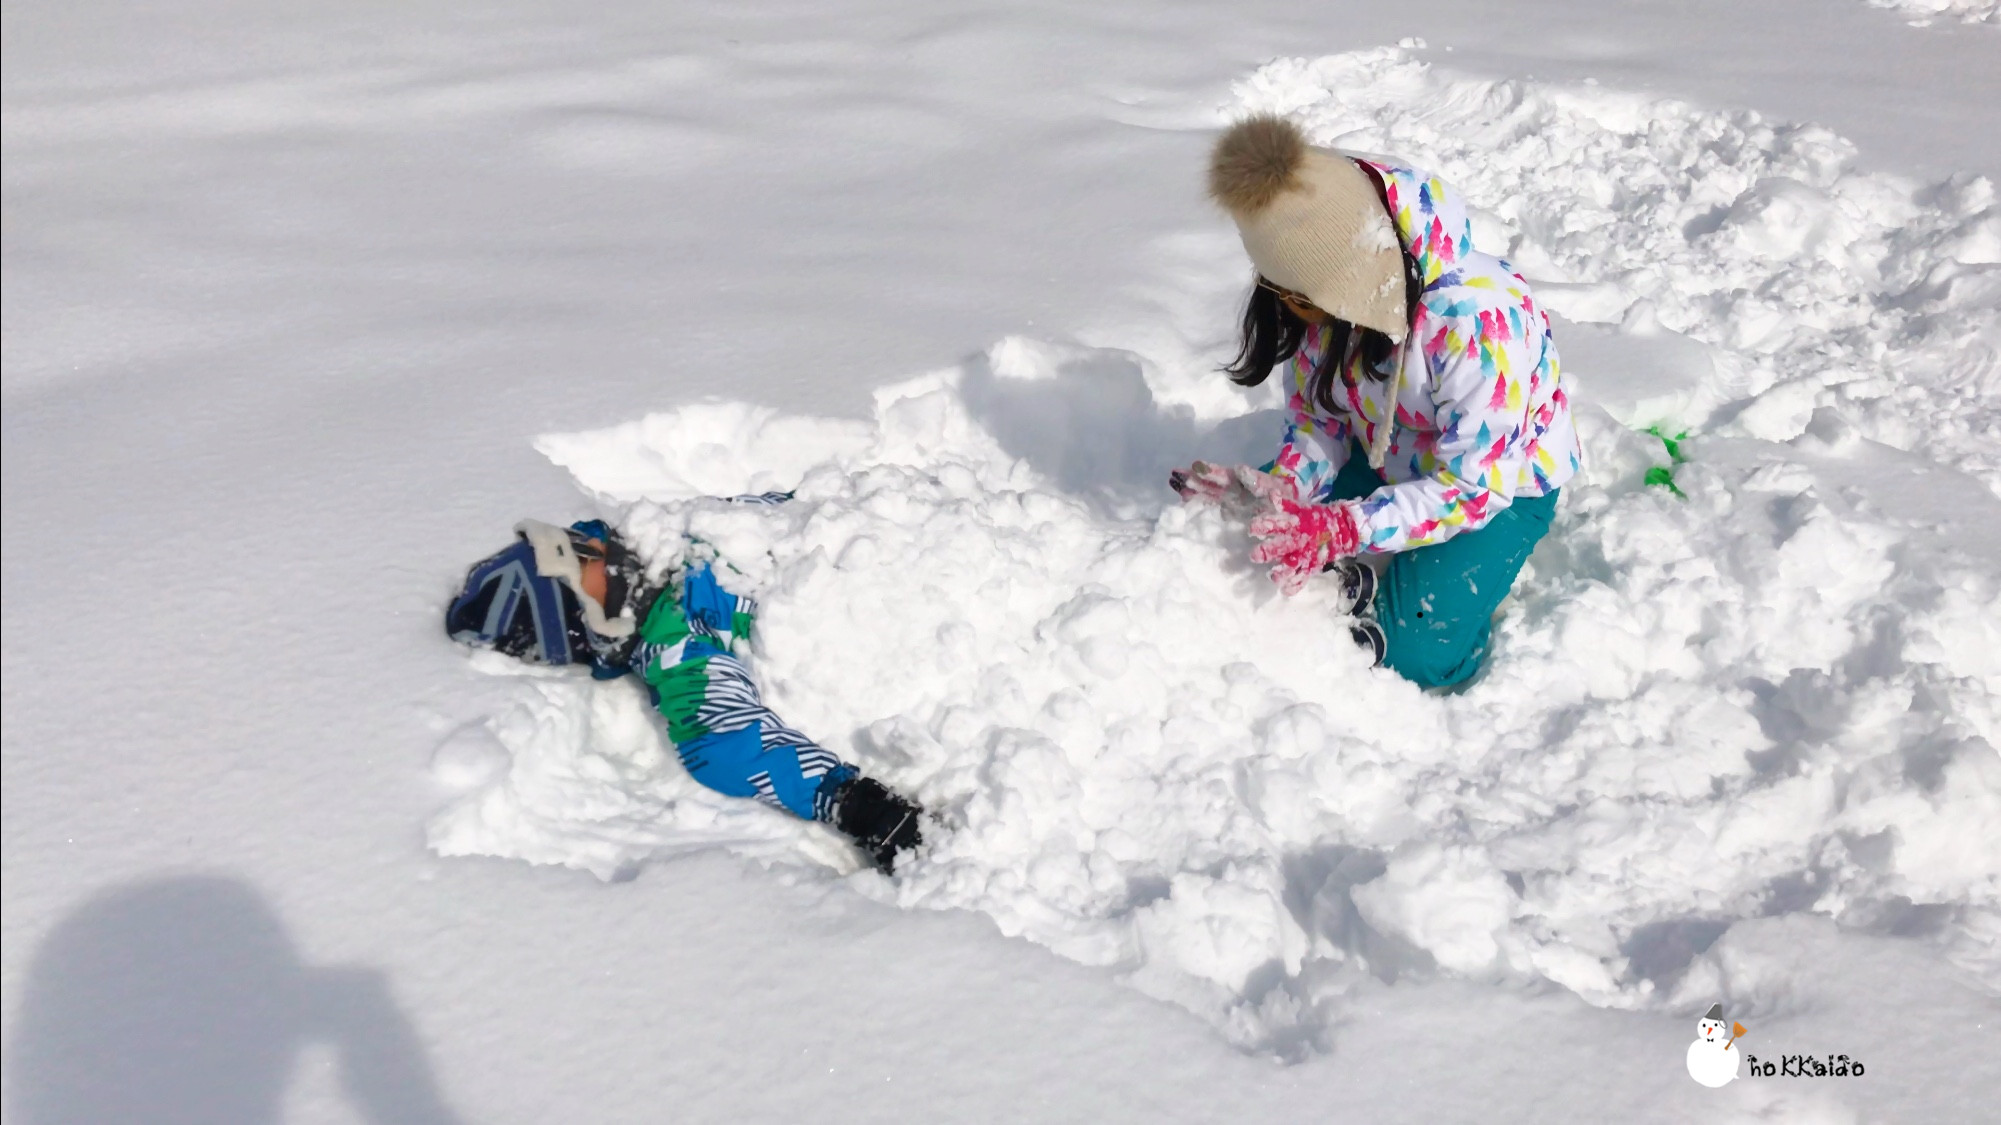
[727,738]
[1436,604]
[1356,479]
[747,752]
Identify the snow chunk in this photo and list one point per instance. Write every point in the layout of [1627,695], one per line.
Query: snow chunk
[1450,902]
[1966,11]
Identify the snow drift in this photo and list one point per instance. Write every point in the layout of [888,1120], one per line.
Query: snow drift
[1924,11]
[1772,694]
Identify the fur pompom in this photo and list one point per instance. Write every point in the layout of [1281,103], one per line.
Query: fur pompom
[1256,161]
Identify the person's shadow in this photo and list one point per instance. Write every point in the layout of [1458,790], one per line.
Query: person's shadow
[1087,421]
[181,1000]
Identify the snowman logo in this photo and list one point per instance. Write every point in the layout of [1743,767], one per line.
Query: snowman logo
[1712,1059]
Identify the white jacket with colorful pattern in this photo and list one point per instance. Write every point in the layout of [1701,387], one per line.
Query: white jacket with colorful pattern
[1481,416]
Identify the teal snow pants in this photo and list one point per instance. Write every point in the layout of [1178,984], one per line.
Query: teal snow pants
[1436,604]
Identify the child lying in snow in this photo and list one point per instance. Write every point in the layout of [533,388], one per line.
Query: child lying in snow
[1426,420]
[576,595]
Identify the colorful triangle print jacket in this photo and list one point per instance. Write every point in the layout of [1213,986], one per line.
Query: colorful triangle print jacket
[1480,414]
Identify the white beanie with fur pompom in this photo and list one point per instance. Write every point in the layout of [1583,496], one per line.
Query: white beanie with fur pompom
[1311,222]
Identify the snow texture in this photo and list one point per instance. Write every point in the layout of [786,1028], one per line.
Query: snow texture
[1773,697]
[291,289]
[1965,11]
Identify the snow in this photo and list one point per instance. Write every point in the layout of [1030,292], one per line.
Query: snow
[1701,708]
[301,306]
[1966,11]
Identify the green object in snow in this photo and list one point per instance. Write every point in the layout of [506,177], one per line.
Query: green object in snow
[1663,475]
[1673,443]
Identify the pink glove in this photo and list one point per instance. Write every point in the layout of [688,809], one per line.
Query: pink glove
[1219,484]
[1301,539]
[1202,481]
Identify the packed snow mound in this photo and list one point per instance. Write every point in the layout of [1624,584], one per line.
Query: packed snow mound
[1773,694]
[1754,701]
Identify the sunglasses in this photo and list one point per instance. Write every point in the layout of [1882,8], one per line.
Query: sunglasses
[1287,295]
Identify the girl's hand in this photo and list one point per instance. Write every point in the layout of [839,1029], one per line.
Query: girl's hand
[1202,481]
[1218,484]
[1300,540]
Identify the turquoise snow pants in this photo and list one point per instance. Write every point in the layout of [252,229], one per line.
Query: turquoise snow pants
[1436,604]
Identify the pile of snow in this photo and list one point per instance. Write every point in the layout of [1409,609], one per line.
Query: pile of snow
[1776,694]
[1966,11]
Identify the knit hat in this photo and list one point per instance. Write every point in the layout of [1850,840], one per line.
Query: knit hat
[1311,222]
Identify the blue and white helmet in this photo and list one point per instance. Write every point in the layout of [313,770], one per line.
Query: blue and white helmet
[528,600]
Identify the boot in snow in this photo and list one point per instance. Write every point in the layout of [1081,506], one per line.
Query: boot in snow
[883,823]
[1356,598]
[1357,586]
[1369,635]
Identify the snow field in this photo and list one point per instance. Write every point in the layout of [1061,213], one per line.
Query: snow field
[1775,696]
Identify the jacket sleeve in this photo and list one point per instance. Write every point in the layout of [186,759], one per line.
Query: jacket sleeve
[1479,360]
[1314,450]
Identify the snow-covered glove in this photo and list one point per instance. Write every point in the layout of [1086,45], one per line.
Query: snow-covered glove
[1300,540]
[1218,484]
[1203,481]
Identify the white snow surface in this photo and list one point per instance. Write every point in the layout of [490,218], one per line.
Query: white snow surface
[291,294]
[1777,695]
[1966,11]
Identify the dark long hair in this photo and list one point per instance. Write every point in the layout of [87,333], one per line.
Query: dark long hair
[1272,334]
